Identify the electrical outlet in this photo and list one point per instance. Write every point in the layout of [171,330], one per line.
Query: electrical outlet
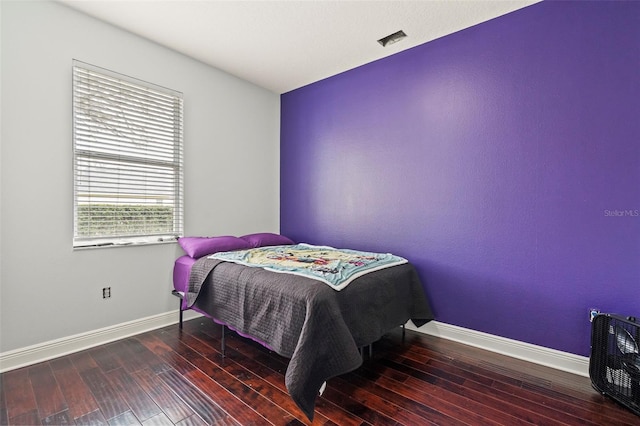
[592,313]
[106,292]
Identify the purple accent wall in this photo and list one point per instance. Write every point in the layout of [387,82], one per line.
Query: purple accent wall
[502,160]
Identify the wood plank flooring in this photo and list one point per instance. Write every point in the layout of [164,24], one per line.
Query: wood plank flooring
[174,377]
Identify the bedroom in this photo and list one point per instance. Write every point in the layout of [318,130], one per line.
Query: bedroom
[514,221]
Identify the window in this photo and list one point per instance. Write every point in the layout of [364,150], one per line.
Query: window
[127,159]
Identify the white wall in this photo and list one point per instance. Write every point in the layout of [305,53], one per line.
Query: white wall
[49,291]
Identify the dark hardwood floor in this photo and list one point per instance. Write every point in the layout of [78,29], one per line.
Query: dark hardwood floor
[169,376]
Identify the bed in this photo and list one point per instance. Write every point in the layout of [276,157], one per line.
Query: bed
[320,329]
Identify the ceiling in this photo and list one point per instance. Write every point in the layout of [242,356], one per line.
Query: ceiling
[284,45]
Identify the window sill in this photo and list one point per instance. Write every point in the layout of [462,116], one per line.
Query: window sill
[114,244]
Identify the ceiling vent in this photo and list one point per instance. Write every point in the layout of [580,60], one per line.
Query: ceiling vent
[392,38]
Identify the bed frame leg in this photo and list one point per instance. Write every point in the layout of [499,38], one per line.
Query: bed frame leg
[403,333]
[362,352]
[180,297]
[222,343]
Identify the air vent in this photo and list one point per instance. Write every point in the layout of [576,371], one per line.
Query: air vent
[392,38]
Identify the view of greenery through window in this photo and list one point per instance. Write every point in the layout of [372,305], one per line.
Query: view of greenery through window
[126,219]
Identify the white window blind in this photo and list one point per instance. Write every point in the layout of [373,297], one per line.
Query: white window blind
[128,167]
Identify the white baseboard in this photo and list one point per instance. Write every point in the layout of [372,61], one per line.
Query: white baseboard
[29,355]
[559,360]
[23,357]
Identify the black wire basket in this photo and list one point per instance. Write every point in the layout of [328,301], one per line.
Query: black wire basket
[614,364]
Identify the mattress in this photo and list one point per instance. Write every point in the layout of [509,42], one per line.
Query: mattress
[181,270]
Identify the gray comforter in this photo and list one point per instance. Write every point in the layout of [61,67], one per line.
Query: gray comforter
[318,328]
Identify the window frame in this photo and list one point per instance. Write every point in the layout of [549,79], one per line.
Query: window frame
[142,173]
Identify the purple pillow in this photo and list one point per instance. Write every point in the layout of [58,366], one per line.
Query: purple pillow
[266,239]
[197,247]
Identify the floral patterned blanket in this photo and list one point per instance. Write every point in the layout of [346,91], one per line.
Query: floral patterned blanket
[334,267]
